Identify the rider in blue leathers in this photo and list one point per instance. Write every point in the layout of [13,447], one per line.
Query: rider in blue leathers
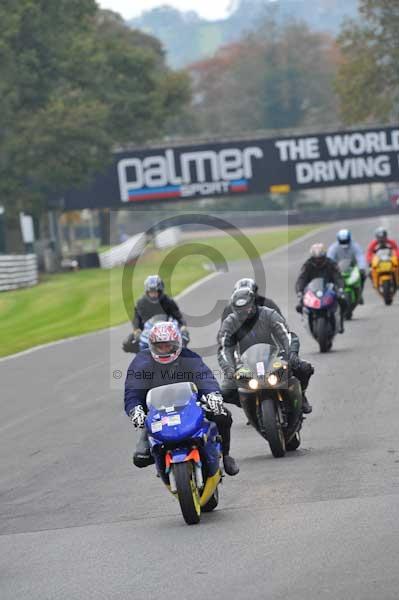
[165,362]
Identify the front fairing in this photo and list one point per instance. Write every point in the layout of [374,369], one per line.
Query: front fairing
[319,296]
[352,278]
[263,360]
[174,424]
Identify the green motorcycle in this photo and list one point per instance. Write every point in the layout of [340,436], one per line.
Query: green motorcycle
[352,284]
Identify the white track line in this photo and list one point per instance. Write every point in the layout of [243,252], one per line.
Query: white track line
[189,289]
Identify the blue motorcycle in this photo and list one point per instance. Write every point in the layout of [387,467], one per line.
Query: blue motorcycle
[319,308]
[186,448]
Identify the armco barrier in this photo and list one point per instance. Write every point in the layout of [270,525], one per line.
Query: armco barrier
[119,255]
[18,271]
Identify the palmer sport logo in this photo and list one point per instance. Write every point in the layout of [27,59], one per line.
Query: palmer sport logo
[186,174]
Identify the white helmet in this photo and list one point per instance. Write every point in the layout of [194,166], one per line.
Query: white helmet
[165,342]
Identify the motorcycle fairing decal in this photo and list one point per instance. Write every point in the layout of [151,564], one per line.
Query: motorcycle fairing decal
[156,426]
[194,455]
[311,301]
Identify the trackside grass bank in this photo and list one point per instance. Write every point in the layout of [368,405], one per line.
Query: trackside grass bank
[70,304]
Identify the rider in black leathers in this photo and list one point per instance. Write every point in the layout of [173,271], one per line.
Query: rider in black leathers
[319,265]
[153,302]
[251,324]
[259,300]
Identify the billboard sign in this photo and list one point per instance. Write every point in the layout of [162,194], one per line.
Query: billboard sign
[256,166]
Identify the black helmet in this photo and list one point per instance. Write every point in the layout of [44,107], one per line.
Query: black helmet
[381,234]
[243,303]
[153,287]
[246,282]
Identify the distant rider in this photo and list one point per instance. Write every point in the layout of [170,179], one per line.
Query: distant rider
[154,302]
[259,300]
[300,368]
[250,324]
[319,265]
[381,241]
[346,248]
[166,361]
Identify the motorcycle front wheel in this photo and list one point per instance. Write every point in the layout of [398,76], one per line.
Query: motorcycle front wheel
[187,492]
[273,428]
[387,292]
[322,335]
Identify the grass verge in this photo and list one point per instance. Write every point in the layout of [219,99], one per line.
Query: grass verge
[70,304]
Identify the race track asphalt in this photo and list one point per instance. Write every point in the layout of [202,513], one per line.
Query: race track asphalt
[78,522]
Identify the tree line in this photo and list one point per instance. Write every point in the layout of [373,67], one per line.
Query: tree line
[76,81]
[285,75]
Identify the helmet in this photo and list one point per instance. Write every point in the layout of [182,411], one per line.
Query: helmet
[153,287]
[381,234]
[243,303]
[318,254]
[246,282]
[165,342]
[344,237]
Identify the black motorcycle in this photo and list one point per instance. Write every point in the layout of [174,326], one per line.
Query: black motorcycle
[272,398]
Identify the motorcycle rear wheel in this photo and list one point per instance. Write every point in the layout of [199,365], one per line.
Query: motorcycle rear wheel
[272,427]
[187,492]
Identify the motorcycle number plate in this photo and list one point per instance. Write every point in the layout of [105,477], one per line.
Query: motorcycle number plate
[157,426]
[260,368]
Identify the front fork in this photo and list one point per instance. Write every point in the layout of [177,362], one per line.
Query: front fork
[282,417]
[192,456]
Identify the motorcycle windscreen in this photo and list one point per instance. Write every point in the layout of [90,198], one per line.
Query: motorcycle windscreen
[177,395]
[384,254]
[155,319]
[316,285]
[258,357]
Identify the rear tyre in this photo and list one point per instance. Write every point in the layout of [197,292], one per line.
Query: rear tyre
[323,336]
[387,292]
[212,502]
[272,427]
[187,492]
[294,443]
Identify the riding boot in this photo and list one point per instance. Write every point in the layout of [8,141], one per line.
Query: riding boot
[306,407]
[142,456]
[224,423]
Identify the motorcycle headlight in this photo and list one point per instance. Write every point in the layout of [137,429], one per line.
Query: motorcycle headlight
[272,379]
[253,384]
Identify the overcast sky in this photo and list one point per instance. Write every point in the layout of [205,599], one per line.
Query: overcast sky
[210,9]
